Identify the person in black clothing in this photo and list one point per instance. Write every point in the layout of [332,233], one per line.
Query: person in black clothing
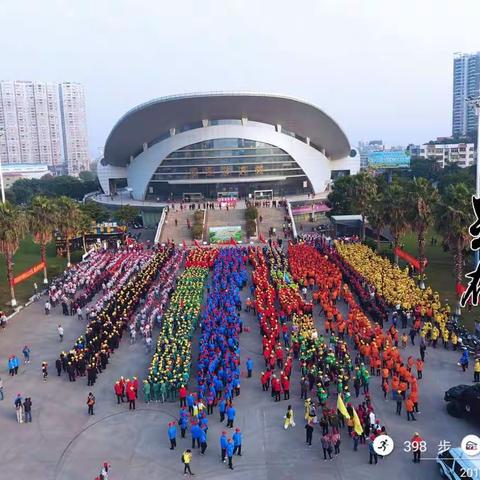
[91,374]
[58,366]
[71,372]
[90,403]
[27,409]
[309,429]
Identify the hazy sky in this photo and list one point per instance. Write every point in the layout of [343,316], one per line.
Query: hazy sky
[381,68]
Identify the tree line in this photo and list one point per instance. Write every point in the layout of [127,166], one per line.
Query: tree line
[411,203]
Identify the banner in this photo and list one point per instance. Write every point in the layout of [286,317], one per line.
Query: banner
[28,273]
[409,258]
[224,234]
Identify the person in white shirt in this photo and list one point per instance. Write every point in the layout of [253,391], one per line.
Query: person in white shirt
[60,333]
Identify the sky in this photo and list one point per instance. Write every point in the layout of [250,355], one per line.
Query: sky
[380,68]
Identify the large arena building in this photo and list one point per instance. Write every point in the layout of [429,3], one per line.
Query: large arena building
[237,144]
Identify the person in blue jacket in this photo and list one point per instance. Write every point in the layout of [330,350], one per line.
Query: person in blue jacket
[237,442]
[190,402]
[195,431]
[183,422]
[249,367]
[230,416]
[203,441]
[223,445]
[230,449]
[464,359]
[222,406]
[172,435]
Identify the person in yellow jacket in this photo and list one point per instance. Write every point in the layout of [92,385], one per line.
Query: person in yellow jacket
[289,420]
[476,370]
[186,459]
[454,340]
[435,334]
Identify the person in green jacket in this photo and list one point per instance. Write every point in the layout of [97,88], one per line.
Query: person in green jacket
[156,390]
[146,390]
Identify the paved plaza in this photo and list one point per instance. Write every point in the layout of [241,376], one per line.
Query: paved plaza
[65,443]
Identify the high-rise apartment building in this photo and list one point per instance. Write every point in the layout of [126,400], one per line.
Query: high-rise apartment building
[466,83]
[35,117]
[74,127]
[29,123]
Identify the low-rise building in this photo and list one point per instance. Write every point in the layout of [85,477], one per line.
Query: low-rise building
[15,171]
[461,154]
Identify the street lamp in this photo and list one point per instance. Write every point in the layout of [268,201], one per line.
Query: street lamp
[475,102]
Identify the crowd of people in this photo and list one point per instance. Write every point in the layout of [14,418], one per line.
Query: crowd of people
[108,319]
[171,361]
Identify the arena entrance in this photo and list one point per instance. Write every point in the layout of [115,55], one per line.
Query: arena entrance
[263,195]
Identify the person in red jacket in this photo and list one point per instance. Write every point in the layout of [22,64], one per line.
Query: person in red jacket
[118,392]
[122,383]
[131,398]
[279,355]
[276,388]
[135,386]
[286,387]
[416,443]
[183,396]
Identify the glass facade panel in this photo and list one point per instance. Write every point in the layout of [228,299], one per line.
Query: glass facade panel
[226,159]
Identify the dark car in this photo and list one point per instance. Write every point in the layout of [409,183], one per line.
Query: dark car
[463,401]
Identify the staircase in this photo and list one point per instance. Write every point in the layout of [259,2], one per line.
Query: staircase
[179,232]
[271,217]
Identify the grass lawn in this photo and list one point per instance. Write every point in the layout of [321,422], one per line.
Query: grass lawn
[28,255]
[439,271]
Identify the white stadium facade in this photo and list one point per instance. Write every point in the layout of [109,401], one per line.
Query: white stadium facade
[207,144]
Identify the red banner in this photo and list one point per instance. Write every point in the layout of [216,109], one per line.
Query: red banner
[28,273]
[408,258]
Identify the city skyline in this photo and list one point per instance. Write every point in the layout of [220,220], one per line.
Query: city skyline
[380,70]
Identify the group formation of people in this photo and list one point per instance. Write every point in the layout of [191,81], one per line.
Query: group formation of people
[171,361]
[400,290]
[126,390]
[107,321]
[273,329]
[153,305]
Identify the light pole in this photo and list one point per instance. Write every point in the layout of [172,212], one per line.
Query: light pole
[2,186]
[475,102]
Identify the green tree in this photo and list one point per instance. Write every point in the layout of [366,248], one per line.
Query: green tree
[396,212]
[422,199]
[376,215]
[95,211]
[340,198]
[126,214]
[364,189]
[13,228]
[453,218]
[42,220]
[87,176]
[69,221]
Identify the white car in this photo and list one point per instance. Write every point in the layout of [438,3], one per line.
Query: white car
[455,464]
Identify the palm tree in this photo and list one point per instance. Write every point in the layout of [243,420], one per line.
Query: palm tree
[68,222]
[376,216]
[13,227]
[454,217]
[42,219]
[363,192]
[396,213]
[85,227]
[422,198]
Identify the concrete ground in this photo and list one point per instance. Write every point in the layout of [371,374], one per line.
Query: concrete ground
[63,442]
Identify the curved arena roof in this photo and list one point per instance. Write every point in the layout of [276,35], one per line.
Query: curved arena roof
[148,121]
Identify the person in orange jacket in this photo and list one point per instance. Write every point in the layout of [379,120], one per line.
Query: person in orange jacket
[409,409]
[416,443]
[419,365]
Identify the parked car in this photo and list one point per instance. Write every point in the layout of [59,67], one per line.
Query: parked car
[455,464]
[464,401]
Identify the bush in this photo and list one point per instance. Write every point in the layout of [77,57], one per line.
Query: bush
[198,216]
[251,213]
[197,231]
[251,228]
[369,242]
